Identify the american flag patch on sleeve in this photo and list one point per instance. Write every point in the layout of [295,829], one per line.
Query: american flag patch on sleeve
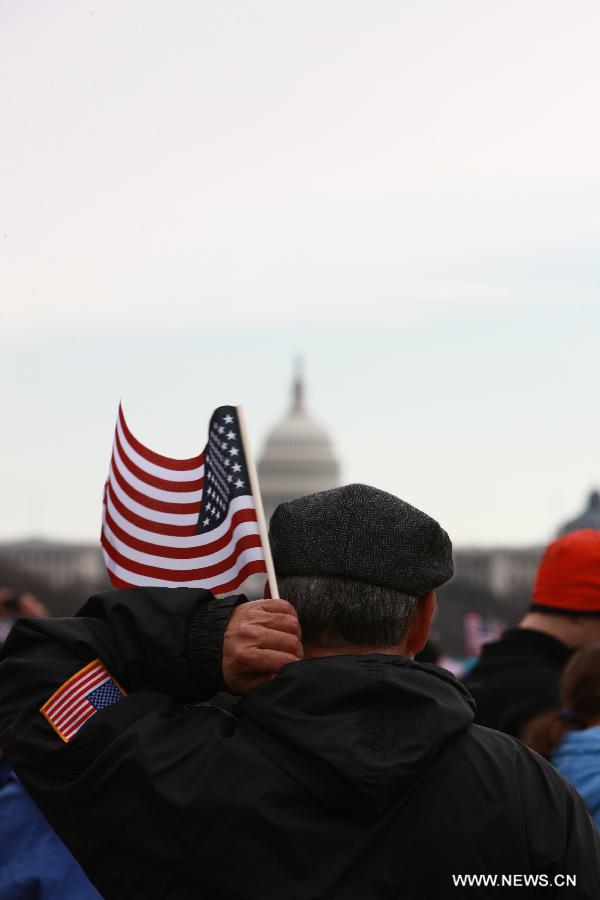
[85,693]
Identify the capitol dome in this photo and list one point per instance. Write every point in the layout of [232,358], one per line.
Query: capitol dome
[589,518]
[297,458]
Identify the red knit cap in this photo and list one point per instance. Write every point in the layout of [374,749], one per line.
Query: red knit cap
[568,579]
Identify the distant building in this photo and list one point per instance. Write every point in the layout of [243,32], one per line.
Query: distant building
[510,571]
[503,571]
[589,518]
[55,563]
[61,575]
[298,456]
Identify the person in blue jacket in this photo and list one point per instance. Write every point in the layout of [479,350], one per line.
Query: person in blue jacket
[34,862]
[570,736]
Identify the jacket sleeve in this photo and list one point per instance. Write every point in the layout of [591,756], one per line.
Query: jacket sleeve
[163,647]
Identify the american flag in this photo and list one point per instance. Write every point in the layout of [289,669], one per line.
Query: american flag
[84,694]
[479,631]
[181,522]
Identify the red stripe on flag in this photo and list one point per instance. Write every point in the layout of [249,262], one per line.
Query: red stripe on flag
[150,502]
[241,515]
[178,552]
[163,484]
[244,543]
[252,568]
[150,524]
[179,465]
[67,710]
[63,703]
[255,567]
[118,582]
[73,727]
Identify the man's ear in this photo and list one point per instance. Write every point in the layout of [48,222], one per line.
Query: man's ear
[418,632]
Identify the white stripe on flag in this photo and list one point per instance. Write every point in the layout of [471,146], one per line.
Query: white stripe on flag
[247,556]
[166,562]
[73,710]
[155,493]
[76,725]
[152,514]
[75,689]
[187,541]
[153,469]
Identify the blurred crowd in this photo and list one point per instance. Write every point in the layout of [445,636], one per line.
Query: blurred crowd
[539,681]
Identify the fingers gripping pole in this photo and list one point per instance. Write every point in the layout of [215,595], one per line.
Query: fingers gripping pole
[260,513]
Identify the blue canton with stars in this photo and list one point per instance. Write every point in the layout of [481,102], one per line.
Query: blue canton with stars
[225,471]
[105,695]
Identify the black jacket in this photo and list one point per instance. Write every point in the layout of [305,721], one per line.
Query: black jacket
[516,678]
[344,777]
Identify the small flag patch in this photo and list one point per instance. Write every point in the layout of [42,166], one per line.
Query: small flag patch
[85,693]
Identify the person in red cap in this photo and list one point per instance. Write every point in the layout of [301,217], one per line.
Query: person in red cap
[518,677]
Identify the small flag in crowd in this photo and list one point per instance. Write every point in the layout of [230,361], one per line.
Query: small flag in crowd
[479,631]
[84,694]
[181,522]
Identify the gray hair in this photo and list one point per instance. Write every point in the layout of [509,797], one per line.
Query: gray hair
[335,611]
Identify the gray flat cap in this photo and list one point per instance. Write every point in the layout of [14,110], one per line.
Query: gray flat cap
[361,533]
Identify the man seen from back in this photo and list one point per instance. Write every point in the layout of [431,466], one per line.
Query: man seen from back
[346,770]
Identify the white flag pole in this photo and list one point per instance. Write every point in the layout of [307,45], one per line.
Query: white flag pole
[260,513]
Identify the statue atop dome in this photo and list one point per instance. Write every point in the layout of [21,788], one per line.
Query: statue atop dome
[589,518]
[298,456]
[298,386]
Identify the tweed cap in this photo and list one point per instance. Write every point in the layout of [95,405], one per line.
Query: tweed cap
[362,533]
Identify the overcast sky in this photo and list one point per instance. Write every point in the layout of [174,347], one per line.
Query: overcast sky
[408,194]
